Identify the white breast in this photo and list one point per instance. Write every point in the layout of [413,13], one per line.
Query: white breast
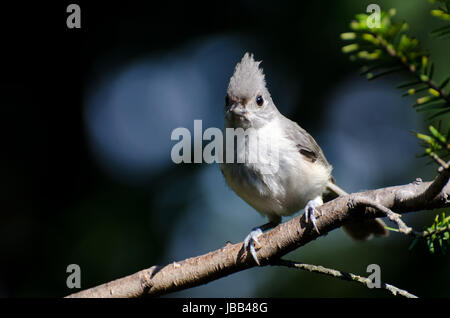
[282,181]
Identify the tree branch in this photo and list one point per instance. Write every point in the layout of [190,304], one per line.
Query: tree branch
[342,275]
[394,217]
[286,237]
[439,182]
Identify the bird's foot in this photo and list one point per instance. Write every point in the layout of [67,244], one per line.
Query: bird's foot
[311,208]
[250,241]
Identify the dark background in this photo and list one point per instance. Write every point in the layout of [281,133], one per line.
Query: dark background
[85,122]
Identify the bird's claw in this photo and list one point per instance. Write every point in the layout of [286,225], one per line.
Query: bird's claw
[310,209]
[250,241]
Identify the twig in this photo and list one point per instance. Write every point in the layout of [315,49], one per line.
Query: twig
[394,217]
[393,53]
[342,275]
[437,185]
[438,160]
[425,234]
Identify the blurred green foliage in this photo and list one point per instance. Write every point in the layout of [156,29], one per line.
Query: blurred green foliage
[387,48]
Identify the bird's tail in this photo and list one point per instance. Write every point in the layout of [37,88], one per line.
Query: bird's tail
[358,230]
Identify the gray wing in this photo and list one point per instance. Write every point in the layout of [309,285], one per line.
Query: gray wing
[305,143]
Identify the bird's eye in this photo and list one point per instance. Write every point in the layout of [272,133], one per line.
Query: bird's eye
[227,100]
[259,100]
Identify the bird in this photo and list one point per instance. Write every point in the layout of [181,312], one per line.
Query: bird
[293,175]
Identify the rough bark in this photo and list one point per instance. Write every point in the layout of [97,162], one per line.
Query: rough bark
[288,236]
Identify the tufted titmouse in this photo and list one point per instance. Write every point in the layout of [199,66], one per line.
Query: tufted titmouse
[303,174]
